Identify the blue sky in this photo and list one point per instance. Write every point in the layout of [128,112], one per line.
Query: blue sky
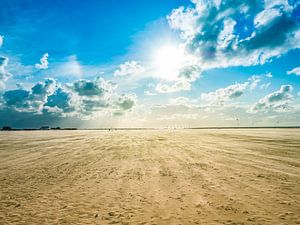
[96,31]
[92,64]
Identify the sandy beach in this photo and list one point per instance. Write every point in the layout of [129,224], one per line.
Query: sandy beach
[239,176]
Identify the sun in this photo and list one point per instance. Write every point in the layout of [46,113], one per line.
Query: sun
[168,59]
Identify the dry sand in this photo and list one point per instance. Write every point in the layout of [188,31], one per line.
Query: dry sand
[150,177]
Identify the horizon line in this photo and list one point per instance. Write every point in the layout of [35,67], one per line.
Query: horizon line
[154,128]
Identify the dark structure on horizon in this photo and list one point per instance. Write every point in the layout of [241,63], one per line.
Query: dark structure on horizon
[6,128]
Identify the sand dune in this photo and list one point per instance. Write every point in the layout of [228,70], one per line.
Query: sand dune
[150,177]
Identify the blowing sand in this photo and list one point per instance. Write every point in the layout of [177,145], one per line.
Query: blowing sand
[150,177]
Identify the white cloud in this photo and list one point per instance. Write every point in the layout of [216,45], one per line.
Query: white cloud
[1,41]
[212,33]
[221,95]
[226,36]
[266,16]
[269,75]
[224,94]
[98,87]
[254,81]
[149,93]
[181,85]
[30,100]
[4,75]
[129,68]
[295,71]
[84,99]
[182,79]
[278,3]
[126,101]
[184,101]
[43,62]
[277,101]
[184,20]
[265,86]
[178,117]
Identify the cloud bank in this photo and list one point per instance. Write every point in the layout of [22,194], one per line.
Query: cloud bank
[84,99]
[237,33]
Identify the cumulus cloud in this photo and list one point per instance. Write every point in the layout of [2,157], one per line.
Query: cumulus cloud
[181,85]
[295,71]
[62,102]
[227,33]
[125,102]
[184,19]
[129,68]
[40,92]
[16,98]
[43,62]
[277,101]
[4,75]
[44,88]
[89,98]
[91,88]
[92,96]
[221,95]
[30,100]
[84,99]
[181,80]
[189,72]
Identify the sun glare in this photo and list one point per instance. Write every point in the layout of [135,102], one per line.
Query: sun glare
[167,60]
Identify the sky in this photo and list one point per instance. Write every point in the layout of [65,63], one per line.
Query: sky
[140,63]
